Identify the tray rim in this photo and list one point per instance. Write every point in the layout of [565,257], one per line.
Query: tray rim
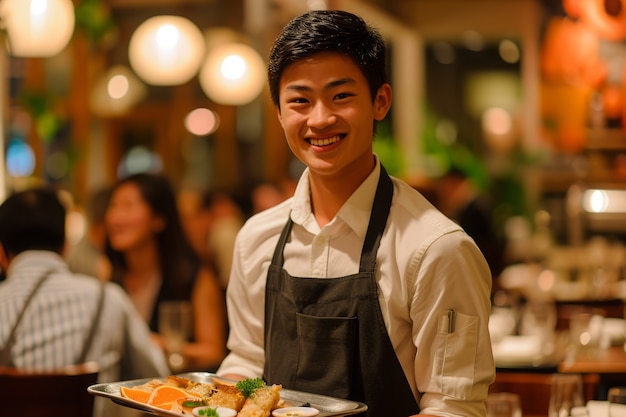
[110,390]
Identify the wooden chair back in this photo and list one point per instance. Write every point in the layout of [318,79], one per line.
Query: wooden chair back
[57,393]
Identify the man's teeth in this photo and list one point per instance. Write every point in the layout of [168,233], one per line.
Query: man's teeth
[325,141]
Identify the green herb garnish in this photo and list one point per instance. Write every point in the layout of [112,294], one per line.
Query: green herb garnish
[192,403]
[208,412]
[249,386]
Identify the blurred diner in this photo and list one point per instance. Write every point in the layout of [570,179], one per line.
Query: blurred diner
[51,317]
[87,255]
[211,220]
[460,199]
[154,262]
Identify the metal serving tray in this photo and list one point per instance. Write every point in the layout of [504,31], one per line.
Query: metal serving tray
[328,406]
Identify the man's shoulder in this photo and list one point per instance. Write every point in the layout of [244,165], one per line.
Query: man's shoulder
[413,207]
[92,287]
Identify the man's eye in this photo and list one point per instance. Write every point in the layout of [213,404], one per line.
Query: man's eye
[298,100]
[341,96]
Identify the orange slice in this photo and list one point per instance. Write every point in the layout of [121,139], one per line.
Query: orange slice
[168,394]
[169,406]
[135,394]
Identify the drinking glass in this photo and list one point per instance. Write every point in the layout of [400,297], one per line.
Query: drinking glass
[503,404]
[586,332]
[566,392]
[617,401]
[175,326]
[539,320]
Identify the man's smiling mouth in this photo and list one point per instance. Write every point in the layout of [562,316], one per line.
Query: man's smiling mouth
[325,141]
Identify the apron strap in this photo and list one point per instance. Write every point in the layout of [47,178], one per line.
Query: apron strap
[94,326]
[278,258]
[5,353]
[376,227]
[378,220]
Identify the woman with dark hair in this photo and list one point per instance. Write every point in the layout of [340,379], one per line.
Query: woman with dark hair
[152,259]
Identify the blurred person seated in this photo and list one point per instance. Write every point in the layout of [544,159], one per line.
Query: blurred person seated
[227,218]
[153,260]
[195,218]
[87,256]
[67,318]
[269,194]
[458,198]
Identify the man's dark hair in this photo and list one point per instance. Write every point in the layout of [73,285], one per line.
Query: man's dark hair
[32,220]
[329,31]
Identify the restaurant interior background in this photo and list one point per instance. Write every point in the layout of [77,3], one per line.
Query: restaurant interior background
[527,97]
[455,66]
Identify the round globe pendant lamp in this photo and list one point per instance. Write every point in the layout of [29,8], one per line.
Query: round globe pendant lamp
[232,74]
[37,28]
[166,50]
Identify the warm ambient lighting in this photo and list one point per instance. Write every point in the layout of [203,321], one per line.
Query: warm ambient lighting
[116,92]
[604,201]
[166,50]
[37,28]
[233,74]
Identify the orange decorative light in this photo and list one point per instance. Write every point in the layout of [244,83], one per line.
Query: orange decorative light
[603,17]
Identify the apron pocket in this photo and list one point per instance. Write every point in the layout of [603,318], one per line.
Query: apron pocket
[326,354]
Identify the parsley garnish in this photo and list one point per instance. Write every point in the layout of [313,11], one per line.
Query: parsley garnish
[208,412]
[249,386]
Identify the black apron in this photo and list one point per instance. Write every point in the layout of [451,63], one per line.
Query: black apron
[327,335]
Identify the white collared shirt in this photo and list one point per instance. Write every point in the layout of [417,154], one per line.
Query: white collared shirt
[427,266]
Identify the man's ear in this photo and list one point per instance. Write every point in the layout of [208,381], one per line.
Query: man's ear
[382,102]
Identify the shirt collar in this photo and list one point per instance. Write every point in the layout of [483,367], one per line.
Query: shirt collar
[355,213]
[36,259]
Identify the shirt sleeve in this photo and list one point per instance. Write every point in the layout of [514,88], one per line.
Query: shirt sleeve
[450,310]
[245,299]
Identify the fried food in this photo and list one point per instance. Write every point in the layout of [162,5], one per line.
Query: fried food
[220,394]
[262,402]
[225,396]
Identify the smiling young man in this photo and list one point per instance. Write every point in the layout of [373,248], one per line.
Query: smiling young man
[356,287]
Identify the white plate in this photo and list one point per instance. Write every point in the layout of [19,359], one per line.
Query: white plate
[295,411]
[327,406]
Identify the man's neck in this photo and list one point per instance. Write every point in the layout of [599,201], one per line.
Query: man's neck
[328,194]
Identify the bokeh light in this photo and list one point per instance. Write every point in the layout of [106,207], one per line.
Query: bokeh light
[202,122]
[166,50]
[233,74]
[20,159]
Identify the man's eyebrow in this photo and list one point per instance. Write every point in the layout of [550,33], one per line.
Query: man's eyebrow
[339,82]
[330,85]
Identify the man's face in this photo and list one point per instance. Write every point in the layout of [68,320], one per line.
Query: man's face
[328,116]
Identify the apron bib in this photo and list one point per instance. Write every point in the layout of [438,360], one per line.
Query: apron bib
[327,335]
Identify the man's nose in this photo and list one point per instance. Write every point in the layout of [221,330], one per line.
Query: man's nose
[321,115]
